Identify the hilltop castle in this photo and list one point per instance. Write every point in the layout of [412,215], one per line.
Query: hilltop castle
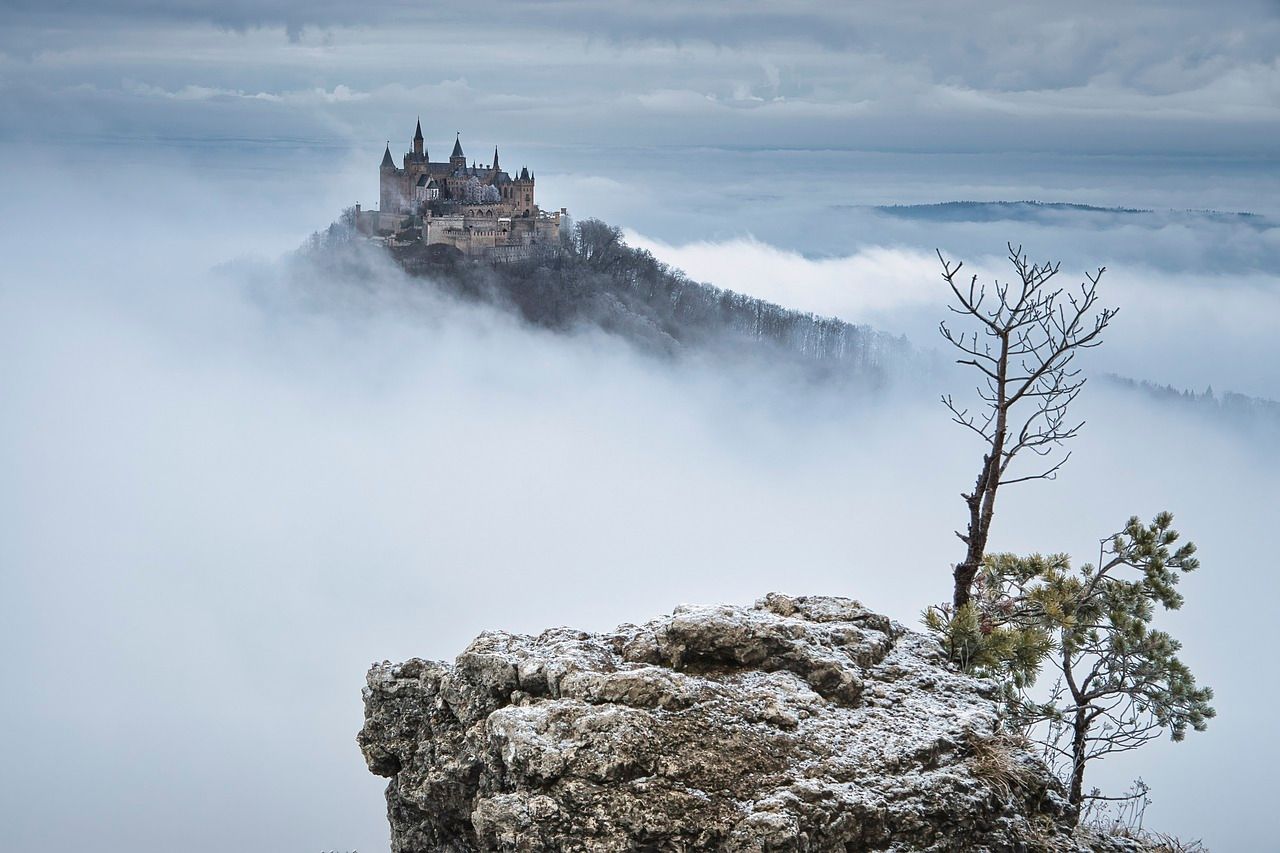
[480,210]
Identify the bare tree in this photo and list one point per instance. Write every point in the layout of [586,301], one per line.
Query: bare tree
[599,244]
[1028,336]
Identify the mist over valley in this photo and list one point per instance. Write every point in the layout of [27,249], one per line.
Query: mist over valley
[240,464]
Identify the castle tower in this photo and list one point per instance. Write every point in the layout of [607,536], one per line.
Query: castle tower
[456,159]
[418,149]
[495,159]
[524,192]
[389,192]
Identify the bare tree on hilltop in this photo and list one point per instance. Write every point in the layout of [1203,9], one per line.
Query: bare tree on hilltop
[1028,334]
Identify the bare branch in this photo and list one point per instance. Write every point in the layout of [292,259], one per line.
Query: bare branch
[1028,333]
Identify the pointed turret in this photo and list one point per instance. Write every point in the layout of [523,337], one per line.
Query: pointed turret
[417,139]
[457,160]
[524,173]
[495,158]
[390,194]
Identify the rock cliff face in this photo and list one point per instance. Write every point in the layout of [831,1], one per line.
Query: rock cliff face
[800,724]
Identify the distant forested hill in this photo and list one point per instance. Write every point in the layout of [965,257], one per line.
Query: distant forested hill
[595,280]
[1240,410]
[1053,213]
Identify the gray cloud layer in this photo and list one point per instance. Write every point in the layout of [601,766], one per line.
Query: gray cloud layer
[1149,77]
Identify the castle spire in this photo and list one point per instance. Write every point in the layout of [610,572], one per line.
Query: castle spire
[387,162]
[495,158]
[457,146]
[417,139]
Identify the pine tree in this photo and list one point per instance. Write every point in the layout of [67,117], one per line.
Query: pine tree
[1119,681]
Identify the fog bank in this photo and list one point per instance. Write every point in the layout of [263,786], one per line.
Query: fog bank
[228,488]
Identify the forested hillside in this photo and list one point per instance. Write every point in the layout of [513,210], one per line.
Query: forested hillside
[1239,410]
[594,280]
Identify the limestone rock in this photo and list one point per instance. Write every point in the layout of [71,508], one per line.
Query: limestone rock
[799,724]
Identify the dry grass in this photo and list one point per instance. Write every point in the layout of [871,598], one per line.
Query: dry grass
[1159,842]
[1122,818]
[999,761]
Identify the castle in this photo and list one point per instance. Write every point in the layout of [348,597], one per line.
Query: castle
[480,210]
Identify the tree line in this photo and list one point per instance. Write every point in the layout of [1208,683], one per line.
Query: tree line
[594,279]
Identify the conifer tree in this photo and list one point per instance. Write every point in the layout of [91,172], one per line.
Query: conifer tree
[1119,681]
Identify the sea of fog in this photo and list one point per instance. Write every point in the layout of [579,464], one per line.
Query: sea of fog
[224,491]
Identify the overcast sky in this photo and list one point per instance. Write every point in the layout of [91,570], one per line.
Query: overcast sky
[223,496]
[1094,77]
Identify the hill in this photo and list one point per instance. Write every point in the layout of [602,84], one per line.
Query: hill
[593,280]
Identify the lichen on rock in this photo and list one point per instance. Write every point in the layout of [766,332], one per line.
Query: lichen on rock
[799,724]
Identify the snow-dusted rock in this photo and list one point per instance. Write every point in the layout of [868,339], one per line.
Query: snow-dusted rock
[801,724]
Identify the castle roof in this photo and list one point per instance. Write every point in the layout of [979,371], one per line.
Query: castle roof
[425,180]
[386,158]
[457,147]
[417,134]
[524,173]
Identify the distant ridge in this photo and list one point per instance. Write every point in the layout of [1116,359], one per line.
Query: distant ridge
[997,211]
[1239,409]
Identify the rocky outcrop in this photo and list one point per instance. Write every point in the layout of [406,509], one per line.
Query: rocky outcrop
[799,724]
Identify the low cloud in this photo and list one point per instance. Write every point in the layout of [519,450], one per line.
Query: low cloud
[1201,317]
[338,94]
[856,288]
